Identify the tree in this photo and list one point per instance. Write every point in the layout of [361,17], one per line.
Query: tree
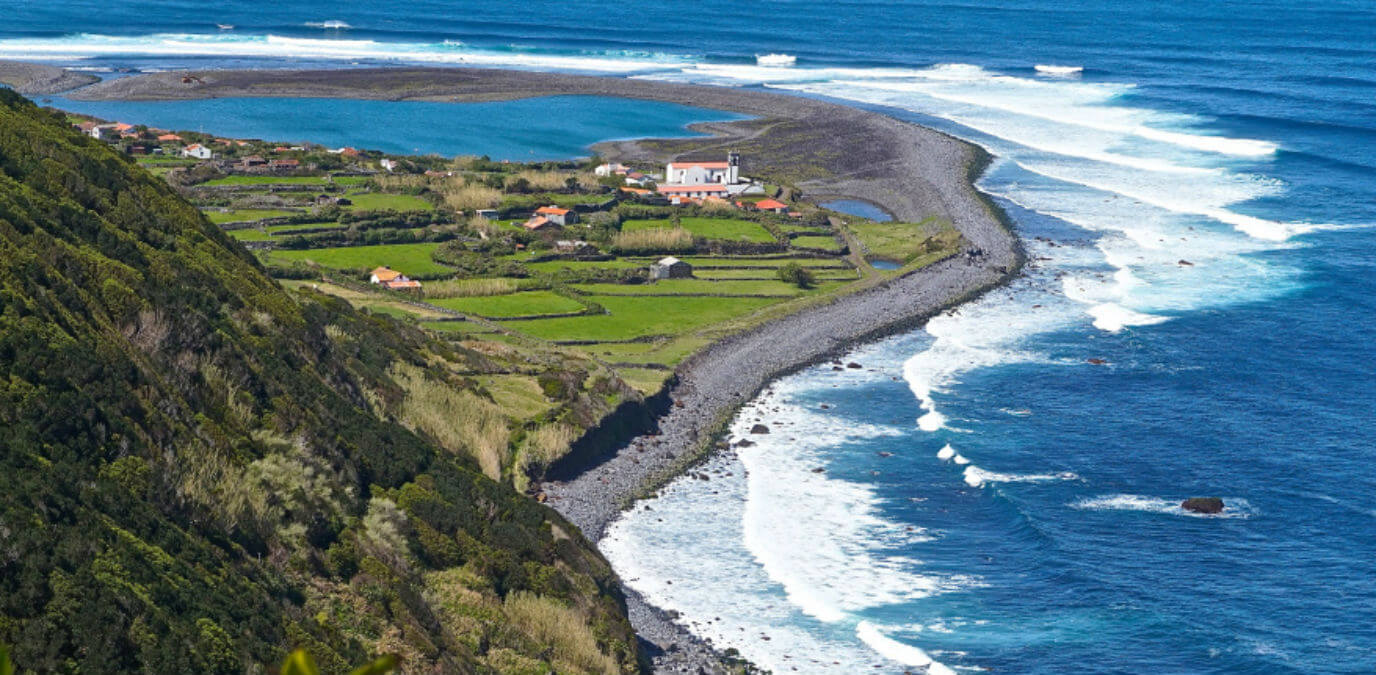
[796,274]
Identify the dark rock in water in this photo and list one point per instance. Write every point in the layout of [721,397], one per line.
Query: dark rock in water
[1097,362]
[819,470]
[744,443]
[1185,263]
[825,407]
[885,453]
[854,365]
[837,368]
[1209,505]
[759,429]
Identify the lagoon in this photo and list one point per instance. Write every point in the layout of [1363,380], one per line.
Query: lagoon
[546,128]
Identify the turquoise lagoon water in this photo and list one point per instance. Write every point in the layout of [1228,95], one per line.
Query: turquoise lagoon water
[1195,184]
[551,127]
[856,207]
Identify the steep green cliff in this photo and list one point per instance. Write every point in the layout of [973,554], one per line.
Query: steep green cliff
[200,470]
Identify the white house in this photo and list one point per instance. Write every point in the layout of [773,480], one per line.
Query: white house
[604,170]
[558,216]
[198,151]
[693,191]
[670,268]
[700,173]
[101,132]
[388,164]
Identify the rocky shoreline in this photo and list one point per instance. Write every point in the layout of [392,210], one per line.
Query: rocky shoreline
[911,171]
[36,79]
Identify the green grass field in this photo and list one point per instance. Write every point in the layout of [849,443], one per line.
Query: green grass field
[709,228]
[525,303]
[244,215]
[769,273]
[696,286]
[249,234]
[634,317]
[458,327]
[906,241]
[742,261]
[412,259]
[827,243]
[553,265]
[382,201]
[276,229]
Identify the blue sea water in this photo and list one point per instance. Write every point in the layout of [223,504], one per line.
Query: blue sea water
[855,207]
[1195,184]
[552,127]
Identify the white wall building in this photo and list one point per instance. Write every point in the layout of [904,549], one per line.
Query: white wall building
[703,173]
[198,151]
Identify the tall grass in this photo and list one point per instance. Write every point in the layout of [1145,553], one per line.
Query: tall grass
[543,181]
[402,182]
[549,443]
[563,629]
[654,240]
[456,418]
[471,197]
[470,288]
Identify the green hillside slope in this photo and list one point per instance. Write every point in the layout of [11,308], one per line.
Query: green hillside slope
[200,470]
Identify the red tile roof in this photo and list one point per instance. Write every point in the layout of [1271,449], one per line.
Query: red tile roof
[551,210]
[385,274]
[536,223]
[770,204]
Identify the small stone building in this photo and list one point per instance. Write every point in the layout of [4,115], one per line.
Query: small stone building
[670,268]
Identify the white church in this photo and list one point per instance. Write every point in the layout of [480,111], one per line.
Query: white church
[698,180]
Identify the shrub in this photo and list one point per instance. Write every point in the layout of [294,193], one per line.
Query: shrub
[796,274]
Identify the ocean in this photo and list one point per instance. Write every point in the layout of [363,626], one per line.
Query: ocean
[1195,184]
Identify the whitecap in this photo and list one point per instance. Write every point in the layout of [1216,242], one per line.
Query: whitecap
[1233,507]
[1060,71]
[898,651]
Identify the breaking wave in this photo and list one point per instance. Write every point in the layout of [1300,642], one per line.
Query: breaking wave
[1233,507]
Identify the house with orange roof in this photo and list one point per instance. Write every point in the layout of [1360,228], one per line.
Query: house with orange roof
[771,205]
[610,169]
[699,173]
[198,151]
[391,279]
[558,215]
[538,223]
[169,138]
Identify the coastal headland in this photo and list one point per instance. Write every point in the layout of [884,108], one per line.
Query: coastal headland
[36,79]
[822,148]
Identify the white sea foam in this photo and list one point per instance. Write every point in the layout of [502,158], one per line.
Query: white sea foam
[899,651]
[333,24]
[1061,71]
[977,477]
[1233,507]
[778,546]
[946,452]
[239,45]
